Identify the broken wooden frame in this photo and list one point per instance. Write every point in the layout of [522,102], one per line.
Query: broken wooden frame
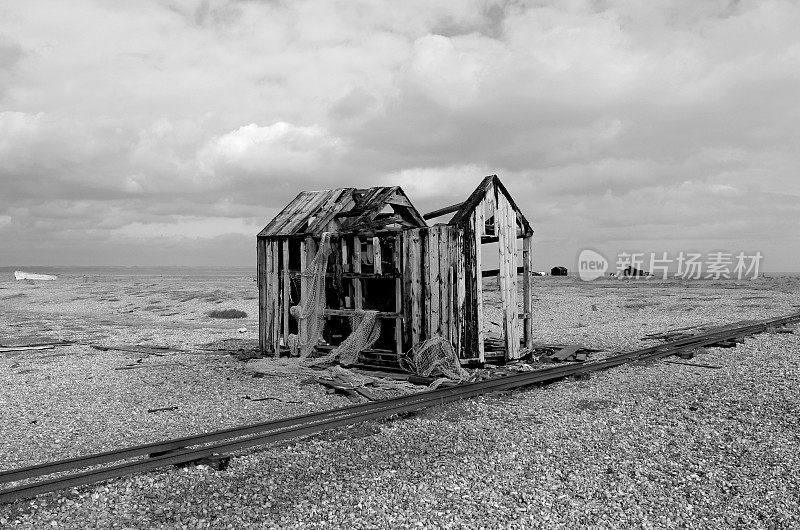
[425,281]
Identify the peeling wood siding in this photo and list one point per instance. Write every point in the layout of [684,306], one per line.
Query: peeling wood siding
[435,285]
[261,280]
[506,228]
[268,278]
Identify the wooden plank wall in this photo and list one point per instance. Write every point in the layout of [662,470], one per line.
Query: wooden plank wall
[494,205]
[269,294]
[506,227]
[434,284]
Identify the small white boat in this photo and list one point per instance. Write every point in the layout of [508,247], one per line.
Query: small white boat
[20,275]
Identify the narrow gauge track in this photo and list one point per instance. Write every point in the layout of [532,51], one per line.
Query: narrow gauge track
[191,448]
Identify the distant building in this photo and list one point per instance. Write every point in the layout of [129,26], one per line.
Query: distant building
[558,271]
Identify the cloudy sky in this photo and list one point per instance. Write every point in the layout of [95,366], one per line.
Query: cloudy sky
[142,133]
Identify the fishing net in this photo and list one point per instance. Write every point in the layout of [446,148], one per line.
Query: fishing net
[366,331]
[310,316]
[435,357]
[309,313]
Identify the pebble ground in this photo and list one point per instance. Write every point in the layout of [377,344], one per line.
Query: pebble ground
[651,446]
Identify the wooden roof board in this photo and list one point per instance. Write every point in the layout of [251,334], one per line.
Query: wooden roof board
[338,202]
[294,218]
[371,204]
[463,214]
[312,211]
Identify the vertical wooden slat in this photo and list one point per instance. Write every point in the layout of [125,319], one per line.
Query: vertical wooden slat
[359,298]
[398,297]
[405,239]
[286,299]
[460,293]
[345,257]
[433,284]
[478,222]
[376,255]
[303,265]
[444,281]
[269,314]
[276,298]
[511,219]
[505,223]
[262,306]
[527,302]
[452,279]
[416,286]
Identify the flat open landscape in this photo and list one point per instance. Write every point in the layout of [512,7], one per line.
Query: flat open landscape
[640,446]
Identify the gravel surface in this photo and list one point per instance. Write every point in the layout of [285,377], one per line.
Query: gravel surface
[652,446]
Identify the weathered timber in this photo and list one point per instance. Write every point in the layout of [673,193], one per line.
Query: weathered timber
[442,211]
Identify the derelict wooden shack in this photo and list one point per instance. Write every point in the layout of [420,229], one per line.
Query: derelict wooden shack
[424,281]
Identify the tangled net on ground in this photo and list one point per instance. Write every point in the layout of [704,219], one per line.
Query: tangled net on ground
[366,331]
[435,357]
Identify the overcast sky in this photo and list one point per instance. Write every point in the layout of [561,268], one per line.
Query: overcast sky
[135,133]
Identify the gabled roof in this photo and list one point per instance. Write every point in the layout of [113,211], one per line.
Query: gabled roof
[463,214]
[345,210]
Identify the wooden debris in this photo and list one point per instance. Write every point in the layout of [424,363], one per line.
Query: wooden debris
[163,409]
[568,353]
[565,353]
[158,351]
[699,365]
[139,364]
[265,398]
[215,462]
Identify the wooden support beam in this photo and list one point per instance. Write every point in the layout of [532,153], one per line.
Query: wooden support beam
[261,256]
[286,292]
[358,296]
[433,283]
[461,293]
[345,255]
[479,225]
[398,297]
[443,211]
[348,312]
[413,264]
[485,240]
[491,273]
[275,280]
[505,226]
[527,302]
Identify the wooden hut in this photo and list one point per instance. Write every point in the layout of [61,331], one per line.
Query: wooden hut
[424,281]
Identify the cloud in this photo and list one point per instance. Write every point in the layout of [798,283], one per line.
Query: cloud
[608,121]
[275,149]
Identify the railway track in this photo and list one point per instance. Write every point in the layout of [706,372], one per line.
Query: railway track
[72,472]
